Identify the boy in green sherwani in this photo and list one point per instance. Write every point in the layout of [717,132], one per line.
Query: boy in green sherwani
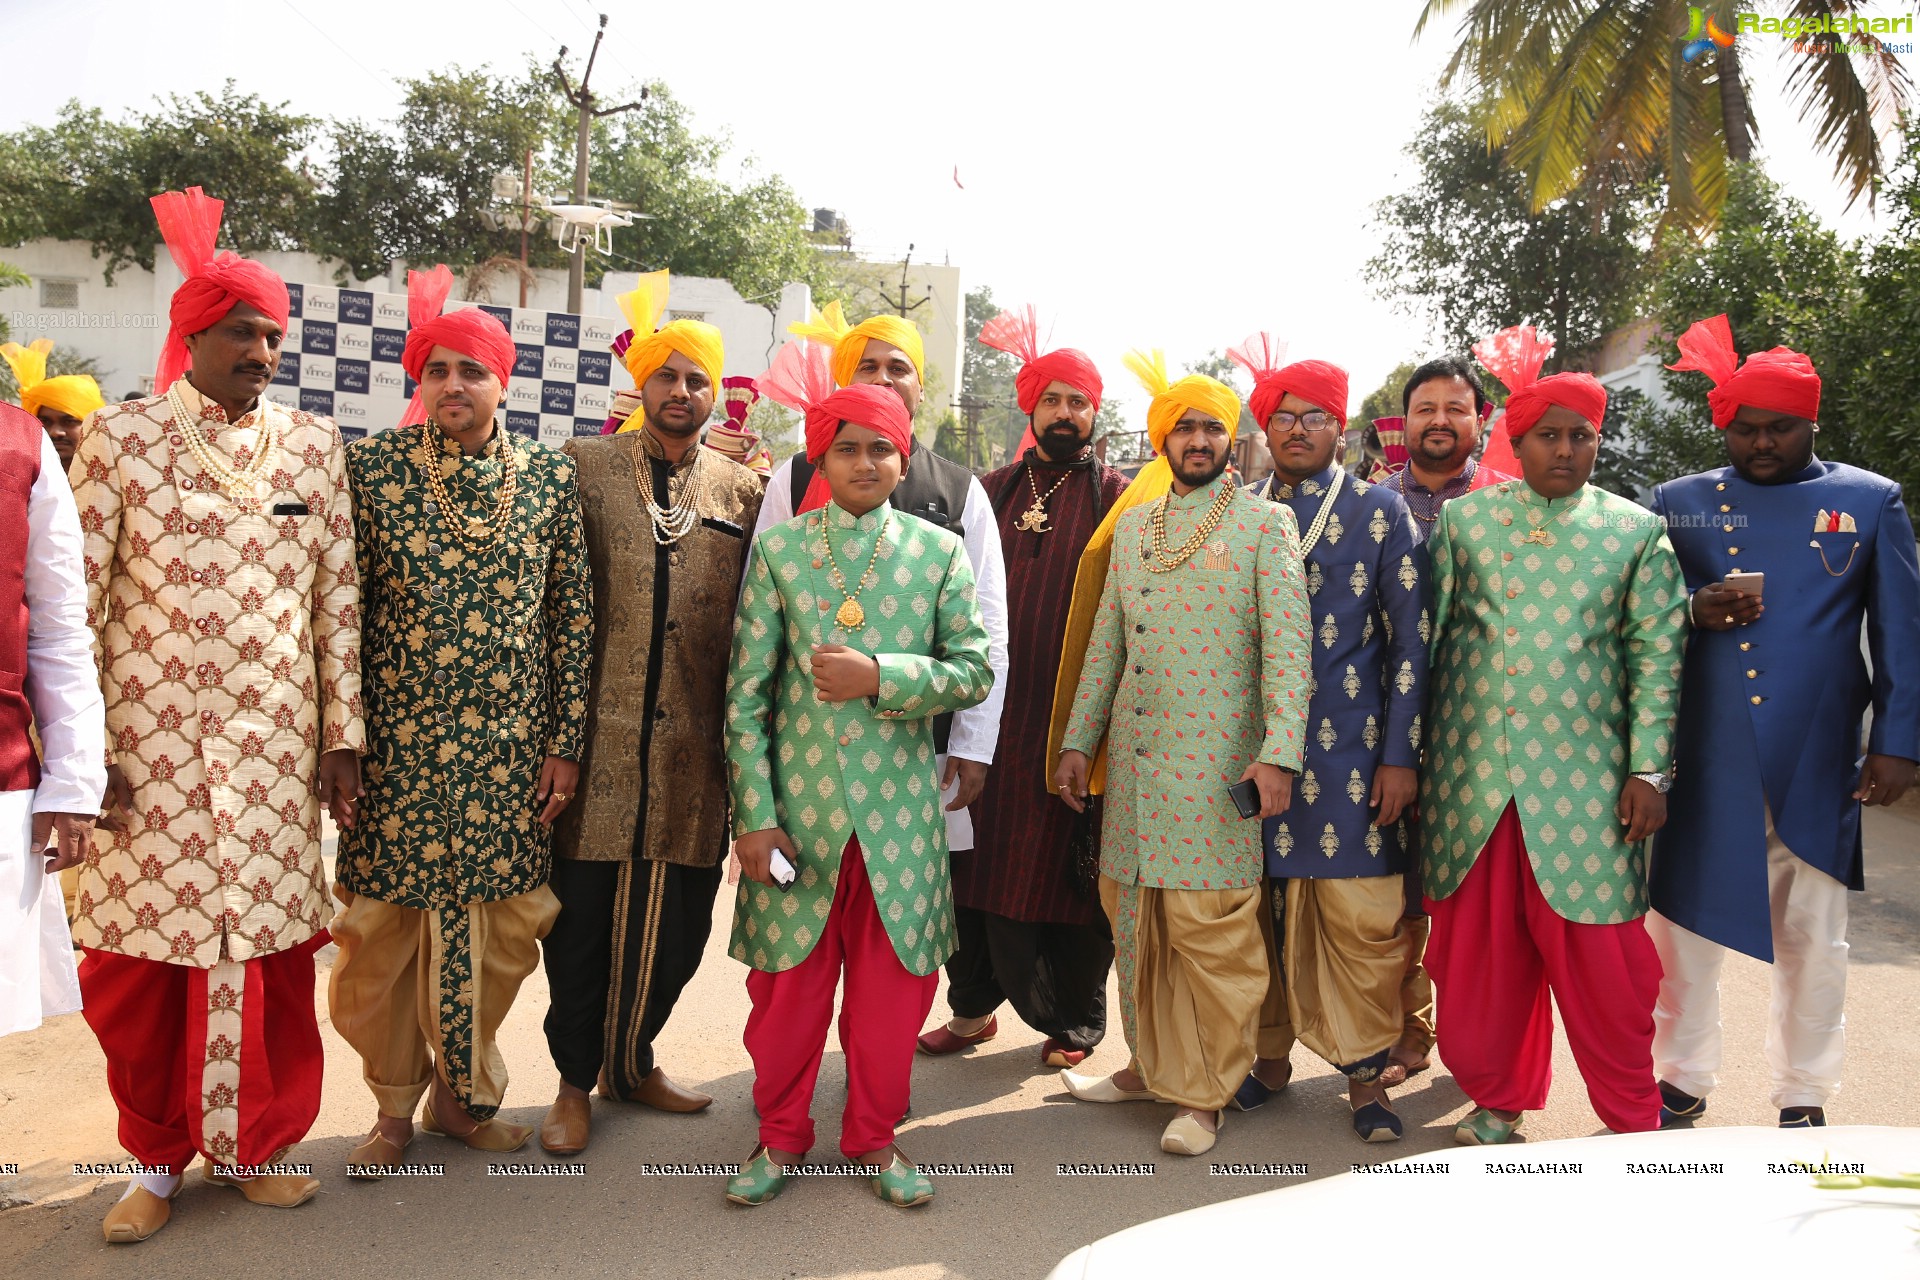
[857,626]
[1558,626]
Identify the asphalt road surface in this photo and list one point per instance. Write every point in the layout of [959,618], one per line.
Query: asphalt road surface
[995,1106]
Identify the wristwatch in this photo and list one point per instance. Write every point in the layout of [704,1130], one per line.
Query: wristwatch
[1660,782]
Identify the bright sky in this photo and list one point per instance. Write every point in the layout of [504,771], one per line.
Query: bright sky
[1178,176]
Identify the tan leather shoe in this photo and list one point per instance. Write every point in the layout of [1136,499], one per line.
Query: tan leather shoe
[492,1135]
[662,1094]
[1186,1136]
[136,1217]
[275,1190]
[370,1161]
[568,1125]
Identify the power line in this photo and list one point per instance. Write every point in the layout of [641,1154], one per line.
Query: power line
[345,52]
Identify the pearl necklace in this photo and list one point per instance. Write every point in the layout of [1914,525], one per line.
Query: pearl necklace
[1320,518]
[672,523]
[242,485]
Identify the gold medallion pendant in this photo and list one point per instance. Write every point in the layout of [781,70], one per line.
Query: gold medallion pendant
[1034,519]
[850,615]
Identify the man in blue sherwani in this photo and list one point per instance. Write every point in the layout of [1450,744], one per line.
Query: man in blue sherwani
[1763,840]
[1334,861]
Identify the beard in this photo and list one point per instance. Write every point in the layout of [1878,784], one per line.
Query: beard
[1061,441]
[1209,470]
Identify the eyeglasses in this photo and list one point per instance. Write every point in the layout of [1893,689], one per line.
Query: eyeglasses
[1313,422]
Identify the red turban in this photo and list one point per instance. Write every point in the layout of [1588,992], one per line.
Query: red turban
[1515,355]
[1016,331]
[470,331]
[215,282]
[801,378]
[1782,379]
[1318,382]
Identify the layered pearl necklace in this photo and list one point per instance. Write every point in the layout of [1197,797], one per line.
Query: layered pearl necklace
[676,520]
[242,484]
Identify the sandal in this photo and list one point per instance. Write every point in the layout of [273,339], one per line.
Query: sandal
[758,1181]
[1485,1129]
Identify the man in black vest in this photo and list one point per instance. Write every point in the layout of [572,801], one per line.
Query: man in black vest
[886,351]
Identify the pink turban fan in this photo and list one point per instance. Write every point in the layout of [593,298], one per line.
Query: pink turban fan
[469,331]
[215,283]
[802,379]
[1515,355]
[1782,379]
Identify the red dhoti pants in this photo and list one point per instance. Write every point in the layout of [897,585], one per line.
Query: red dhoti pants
[1497,951]
[224,1061]
[880,1015]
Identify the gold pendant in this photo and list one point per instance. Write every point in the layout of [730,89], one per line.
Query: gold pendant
[1217,557]
[1034,520]
[1542,536]
[850,615]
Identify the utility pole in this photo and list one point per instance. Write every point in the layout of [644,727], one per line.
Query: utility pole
[900,305]
[583,100]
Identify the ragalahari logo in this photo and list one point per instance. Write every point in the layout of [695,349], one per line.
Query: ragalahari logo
[1703,35]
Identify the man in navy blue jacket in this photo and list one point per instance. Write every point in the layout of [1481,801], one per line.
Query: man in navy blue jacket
[1763,836]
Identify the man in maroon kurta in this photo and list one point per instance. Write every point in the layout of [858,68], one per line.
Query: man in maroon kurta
[1030,926]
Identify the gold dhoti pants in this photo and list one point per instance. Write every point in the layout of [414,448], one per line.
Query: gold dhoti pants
[413,987]
[1192,978]
[1336,977]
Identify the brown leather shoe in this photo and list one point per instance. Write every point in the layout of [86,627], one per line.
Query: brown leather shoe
[568,1125]
[136,1217]
[941,1041]
[276,1190]
[662,1094]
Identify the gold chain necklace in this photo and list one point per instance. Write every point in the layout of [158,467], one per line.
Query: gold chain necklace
[676,521]
[850,615]
[1034,519]
[1162,560]
[242,484]
[478,535]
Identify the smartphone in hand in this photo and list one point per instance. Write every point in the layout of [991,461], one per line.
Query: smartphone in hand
[782,870]
[1245,795]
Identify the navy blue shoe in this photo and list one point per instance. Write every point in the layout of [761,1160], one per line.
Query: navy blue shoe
[1803,1118]
[1375,1123]
[1252,1094]
[1679,1108]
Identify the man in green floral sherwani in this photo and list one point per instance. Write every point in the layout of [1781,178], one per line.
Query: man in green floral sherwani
[478,631]
[857,626]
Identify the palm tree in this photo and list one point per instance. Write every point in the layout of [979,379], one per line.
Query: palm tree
[1581,90]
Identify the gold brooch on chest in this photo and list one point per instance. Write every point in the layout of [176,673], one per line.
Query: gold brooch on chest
[1541,537]
[1218,557]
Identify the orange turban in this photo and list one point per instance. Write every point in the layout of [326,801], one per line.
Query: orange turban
[73,394]
[697,340]
[1172,399]
[215,282]
[1782,379]
[1515,355]
[849,342]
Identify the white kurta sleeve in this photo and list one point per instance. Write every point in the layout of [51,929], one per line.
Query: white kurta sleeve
[976,731]
[63,684]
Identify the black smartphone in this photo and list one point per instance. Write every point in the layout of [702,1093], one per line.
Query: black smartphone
[1245,795]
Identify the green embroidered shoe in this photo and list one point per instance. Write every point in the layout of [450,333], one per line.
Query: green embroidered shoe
[1485,1129]
[902,1184]
[758,1181]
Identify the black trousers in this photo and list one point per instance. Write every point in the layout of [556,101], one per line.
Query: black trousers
[1054,975]
[626,943]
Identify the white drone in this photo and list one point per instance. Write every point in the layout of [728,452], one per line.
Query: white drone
[574,225]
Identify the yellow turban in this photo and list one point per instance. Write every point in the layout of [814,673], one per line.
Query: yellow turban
[697,340]
[73,394]
[849,342]
[1170,400]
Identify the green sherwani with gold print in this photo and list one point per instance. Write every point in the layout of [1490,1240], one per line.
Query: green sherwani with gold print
[824,772]
[1559,627]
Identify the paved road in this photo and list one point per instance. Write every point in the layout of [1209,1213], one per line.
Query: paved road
[995,1105]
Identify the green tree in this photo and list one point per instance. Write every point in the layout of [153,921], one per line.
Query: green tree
[1578,88]
[1781,277]
[987,379]
[751,230]
[89,178]
[1463,250]
[1384,400]
[419,186]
